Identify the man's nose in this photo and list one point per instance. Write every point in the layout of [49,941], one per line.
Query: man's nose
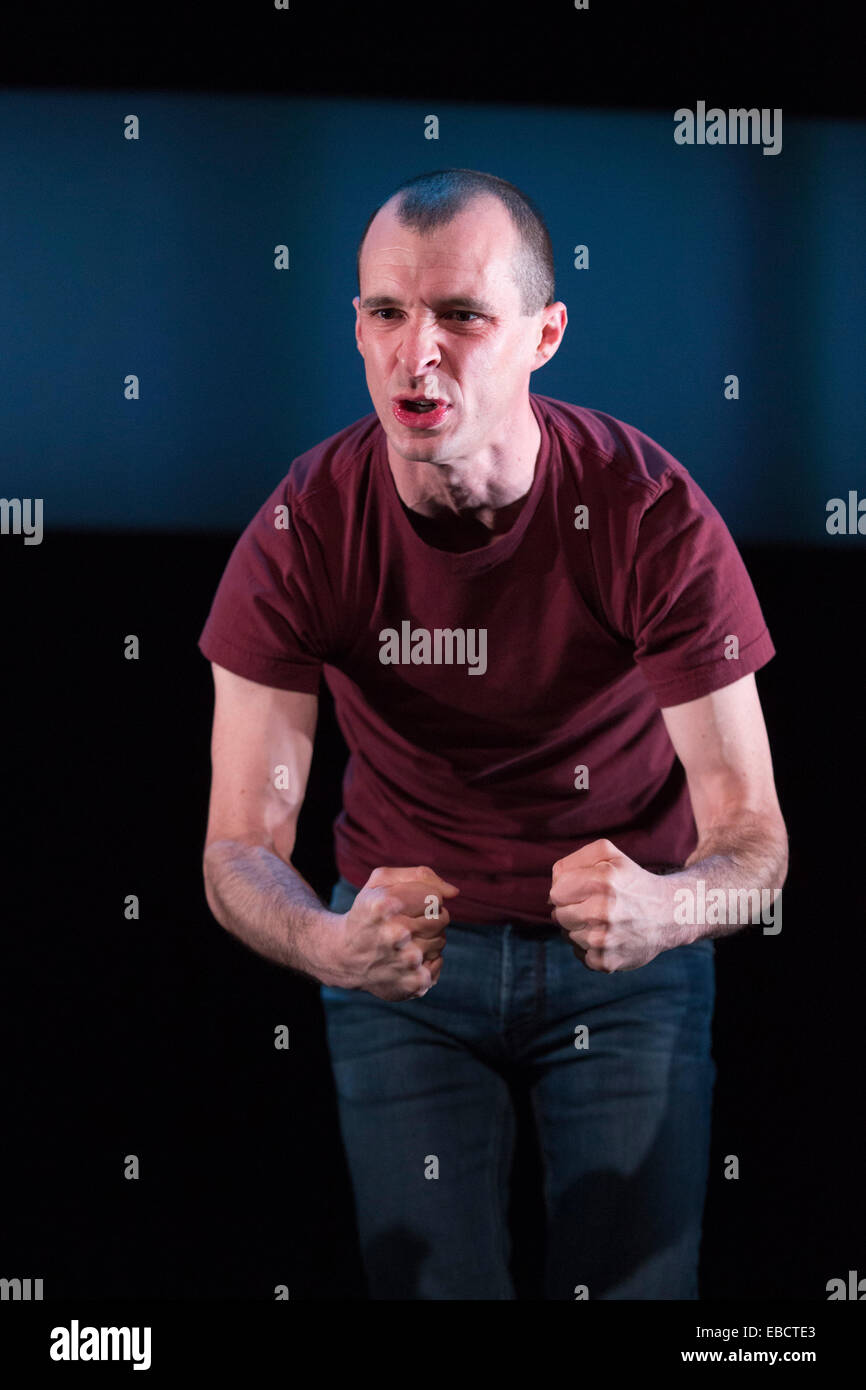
[418,350]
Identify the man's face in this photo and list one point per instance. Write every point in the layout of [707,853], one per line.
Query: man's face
[439,315]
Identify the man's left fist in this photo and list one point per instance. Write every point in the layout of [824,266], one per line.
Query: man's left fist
[616,914]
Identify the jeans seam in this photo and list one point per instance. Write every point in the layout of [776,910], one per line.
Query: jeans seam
[501,1165]
[504,976]
[545,1161]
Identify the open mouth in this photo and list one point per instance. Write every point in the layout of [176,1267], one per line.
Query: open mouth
[421,413]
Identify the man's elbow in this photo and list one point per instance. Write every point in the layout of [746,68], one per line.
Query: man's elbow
[781,833]
[209,868]
[771,837]
[218,858]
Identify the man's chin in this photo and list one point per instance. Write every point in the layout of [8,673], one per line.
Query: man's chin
[417,447]
[417,453]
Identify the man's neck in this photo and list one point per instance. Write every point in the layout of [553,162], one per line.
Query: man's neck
[462,505]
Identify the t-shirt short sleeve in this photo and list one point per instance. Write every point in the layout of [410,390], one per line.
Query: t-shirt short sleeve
[694,616]
[265,622]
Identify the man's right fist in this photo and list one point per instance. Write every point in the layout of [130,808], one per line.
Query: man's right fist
[390,942]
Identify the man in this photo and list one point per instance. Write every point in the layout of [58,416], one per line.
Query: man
[541,642]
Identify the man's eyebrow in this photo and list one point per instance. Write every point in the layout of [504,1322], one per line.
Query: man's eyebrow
[453,301]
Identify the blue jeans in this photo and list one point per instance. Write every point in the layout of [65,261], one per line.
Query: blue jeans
[427,1119]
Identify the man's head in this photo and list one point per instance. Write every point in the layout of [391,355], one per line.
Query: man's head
[456,302]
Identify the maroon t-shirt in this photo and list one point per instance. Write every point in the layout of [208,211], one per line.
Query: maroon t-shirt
[473,687]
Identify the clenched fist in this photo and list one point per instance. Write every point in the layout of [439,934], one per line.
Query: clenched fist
[390,942]
[616,914]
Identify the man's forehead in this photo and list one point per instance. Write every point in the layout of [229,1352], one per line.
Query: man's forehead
[487,287]
[437,270]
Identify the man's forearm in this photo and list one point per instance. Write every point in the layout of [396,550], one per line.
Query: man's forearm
[261,899]
[736,871]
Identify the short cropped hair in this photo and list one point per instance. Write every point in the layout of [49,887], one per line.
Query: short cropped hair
[433,200]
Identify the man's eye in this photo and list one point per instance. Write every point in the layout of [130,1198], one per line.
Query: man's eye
[471,313]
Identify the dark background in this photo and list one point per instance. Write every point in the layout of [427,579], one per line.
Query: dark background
[156,1037]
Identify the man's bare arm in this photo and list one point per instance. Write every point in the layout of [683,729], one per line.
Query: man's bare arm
[261,750]
[721,740]
[618,915]
[268,905]
[386,943]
